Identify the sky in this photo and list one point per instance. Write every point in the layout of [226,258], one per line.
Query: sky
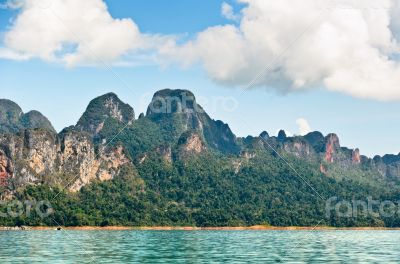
[256,65]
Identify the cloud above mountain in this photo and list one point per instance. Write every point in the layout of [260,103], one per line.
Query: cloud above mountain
[291,45]
[304,127]
[346,46]
[72,32]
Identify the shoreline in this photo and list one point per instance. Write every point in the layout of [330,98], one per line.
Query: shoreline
[191,228]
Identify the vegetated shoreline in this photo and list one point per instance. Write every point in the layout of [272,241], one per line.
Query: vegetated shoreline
[191,228]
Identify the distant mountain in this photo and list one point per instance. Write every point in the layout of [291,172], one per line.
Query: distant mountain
[12,119]
[178,166]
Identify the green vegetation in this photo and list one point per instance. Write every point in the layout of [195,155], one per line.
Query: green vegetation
[226,181]
[204,191]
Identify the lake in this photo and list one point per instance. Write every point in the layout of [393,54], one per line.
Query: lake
[199,246]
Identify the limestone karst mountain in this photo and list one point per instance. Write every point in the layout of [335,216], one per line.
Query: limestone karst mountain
[176,158]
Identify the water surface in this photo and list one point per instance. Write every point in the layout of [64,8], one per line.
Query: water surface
[199,246]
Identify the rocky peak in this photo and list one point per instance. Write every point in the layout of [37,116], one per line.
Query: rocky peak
[281,135]
[169,101]
[264,135]
[178,111]
[10,114]
[35,119]
[104,108]
[12,119]
[9,111]
[317,140]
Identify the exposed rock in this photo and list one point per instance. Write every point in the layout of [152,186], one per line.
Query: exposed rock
[194,144]
[323,169]
[39,155]
[388,165]
[237,164]
[247,155]
[6,169]
[77,157]
[103,108]
[332,146]
[41,151]
[191,143]
[356,158]
[299,147]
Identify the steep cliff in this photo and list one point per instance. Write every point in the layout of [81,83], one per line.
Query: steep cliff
[69,160]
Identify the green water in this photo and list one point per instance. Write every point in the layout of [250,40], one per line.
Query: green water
[199,246]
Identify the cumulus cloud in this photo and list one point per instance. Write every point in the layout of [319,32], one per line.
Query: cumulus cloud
[347,46]
[304,127]
[300,44]
[73,32]
[227,12]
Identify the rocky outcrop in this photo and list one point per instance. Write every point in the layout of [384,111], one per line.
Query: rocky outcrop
[6,169]
[191,143]
[356,157]
[299,148]
[388,165]
[102,109]
[39,156]
[331,147]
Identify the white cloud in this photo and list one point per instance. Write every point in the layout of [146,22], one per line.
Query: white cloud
[349,46]
[73,32]
[301,44]
[227,12]
[11,55]
[304,127]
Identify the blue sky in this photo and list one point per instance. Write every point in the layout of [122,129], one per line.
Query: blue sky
[62,93]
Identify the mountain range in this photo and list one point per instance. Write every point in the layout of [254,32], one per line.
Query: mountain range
[175,165]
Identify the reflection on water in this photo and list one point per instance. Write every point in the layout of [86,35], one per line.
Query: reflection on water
[199,246]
